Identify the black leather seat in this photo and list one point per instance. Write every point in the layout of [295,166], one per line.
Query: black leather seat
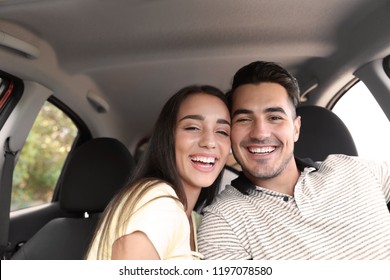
[94,173]
[322,133]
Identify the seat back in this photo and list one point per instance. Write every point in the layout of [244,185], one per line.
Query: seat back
[94,173]
[322,133]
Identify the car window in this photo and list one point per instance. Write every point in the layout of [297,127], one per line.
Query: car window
[366,121]
[42,158]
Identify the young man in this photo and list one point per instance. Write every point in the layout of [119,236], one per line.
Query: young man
[282,207]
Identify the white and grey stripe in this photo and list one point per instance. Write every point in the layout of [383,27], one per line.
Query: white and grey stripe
[337,212]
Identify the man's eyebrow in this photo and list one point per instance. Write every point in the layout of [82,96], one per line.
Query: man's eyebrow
[241,111]
[267,110]
[275,109]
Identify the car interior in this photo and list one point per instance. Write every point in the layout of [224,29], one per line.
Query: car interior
[322,133]
[82,83]
[89,181]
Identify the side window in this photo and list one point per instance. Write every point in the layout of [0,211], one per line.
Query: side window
[42,158]
[366,121]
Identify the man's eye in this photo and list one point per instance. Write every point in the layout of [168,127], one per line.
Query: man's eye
[243,120]
[275,118]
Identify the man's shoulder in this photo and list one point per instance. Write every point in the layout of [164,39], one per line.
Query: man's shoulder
[347,160]
[355,165]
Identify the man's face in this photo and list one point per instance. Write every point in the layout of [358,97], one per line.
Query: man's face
[264,129]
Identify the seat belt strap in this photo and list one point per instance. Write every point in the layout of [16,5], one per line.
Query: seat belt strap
[5,197]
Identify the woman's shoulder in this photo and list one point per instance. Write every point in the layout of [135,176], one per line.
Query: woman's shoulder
[158,193]
[161,188]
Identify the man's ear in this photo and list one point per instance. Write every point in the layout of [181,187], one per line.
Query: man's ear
[297,128]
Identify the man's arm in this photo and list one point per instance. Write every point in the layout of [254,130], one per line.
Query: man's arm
[217,239]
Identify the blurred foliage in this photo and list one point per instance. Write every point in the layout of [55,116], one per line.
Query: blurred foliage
[42,157]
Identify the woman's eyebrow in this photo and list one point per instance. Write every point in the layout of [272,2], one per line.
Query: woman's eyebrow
[223,121]
[192,117]
[202,118]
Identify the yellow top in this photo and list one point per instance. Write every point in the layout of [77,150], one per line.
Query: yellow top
[164,222]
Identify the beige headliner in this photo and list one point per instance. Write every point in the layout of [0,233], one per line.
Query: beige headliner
[134,54]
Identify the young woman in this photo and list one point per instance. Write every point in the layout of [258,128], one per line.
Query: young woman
[153,217]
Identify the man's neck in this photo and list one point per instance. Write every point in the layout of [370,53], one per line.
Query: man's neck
[243,183]
[283,183]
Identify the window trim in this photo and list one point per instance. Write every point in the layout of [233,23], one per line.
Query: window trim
[386,65]
[342,92]
[15,89]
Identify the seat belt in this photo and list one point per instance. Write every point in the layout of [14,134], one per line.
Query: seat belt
[5,197]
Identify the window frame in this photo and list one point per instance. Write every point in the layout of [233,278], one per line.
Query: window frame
[10,94]
[386,65]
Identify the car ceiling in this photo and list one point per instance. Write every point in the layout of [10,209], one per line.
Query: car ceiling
[135,54]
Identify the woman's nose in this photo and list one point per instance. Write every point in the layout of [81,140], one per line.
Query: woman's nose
[208,140]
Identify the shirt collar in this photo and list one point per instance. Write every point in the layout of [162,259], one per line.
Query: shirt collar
[243,184]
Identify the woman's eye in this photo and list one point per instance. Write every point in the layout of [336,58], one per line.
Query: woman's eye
[223,132]
[191,128]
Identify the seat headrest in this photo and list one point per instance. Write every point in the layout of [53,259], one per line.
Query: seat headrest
[95,172]
[322,133]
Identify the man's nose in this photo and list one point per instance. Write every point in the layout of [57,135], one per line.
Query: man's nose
[260,130]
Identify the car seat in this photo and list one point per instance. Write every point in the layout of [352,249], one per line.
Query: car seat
[94,173]
[322,133]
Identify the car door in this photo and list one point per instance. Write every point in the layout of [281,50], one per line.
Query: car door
[41,132]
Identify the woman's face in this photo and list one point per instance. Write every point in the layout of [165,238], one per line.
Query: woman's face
[202,138]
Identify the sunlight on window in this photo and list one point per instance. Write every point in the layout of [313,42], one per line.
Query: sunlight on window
[366,121]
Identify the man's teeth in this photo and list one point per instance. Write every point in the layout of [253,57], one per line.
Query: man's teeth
[203,159]
[264,150]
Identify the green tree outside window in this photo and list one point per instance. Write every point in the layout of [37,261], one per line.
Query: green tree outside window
[42,158]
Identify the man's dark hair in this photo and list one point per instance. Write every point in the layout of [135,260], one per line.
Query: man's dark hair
[261,71]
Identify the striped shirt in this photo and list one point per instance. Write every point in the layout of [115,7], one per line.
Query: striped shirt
[338,211]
